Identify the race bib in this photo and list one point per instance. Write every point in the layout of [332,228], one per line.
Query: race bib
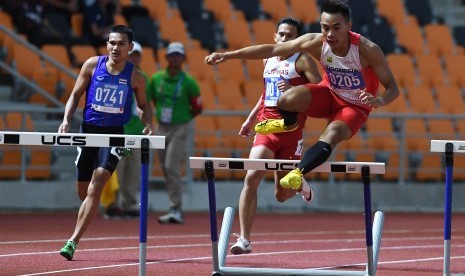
[166,115]
[345,79]
[110,98]
[272,92]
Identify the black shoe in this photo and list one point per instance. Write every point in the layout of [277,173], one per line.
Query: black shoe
[113,212]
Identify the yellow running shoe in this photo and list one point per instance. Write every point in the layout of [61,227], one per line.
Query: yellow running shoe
[273,126]
[292,180]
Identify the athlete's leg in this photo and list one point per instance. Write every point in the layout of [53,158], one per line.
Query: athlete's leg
[248,197]
[296,99]
[91,203]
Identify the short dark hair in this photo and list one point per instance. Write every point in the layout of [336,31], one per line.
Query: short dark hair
[122,29]
[336,6]
[291,21]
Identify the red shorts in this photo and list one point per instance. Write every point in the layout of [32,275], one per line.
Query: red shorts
[326,104]
[287,145]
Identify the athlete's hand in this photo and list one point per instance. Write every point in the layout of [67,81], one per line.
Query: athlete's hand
[63,128]
[283,84]
[147,130]
[370,100]
[215,58]
[246,128]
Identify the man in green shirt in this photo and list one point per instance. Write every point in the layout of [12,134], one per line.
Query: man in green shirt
[176,97]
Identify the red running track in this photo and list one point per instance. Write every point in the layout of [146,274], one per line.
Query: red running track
[412,244]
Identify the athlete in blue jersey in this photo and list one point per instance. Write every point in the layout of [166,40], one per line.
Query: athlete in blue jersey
[108,83]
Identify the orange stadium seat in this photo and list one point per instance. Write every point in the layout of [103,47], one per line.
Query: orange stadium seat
[208,94]
[403,69]
[166,25]
[14,121]
[263,31]
[306,11]
[230,125]
[157,8]
[148,64]
[450,99]
[277,9]
[232,70]
[252,92]
[25,60]
[254,69]
[196,65]
[454,66]
[237,33]
[439,39]
[229,95]
[83,53]
[441,129]
[76,24]
[58,52]
[460,126]
[409,36]
[392,10]
[47,79]
[429,67]
[430,168]
[392,168]
[220,8]
[206,125]
[119,19]
[421,99]
[398,105]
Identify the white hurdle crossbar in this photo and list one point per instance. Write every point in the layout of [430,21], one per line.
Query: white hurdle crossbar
[448,147]
[99,140]
[220,246]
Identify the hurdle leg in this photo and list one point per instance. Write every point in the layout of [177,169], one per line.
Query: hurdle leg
[368,223]
[449,154]
[144,178]
[209,171]
[225,233]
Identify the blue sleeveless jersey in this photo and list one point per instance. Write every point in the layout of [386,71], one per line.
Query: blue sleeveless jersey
[109,97]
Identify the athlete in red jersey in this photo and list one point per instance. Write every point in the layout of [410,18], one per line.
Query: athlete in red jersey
[336,98]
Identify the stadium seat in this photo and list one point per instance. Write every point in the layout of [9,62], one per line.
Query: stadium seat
[232,70]
[421,99]
[47,79]
[362,11]
[263,31]
[399,105]
[208,94]
[439,39]
[156,8]
[430,168]
[190,9]
[252,92]
[196,65]
[381,33]
[450,99]
[221,9]
[229,95]
[237,33]
[148,62]
[25,61]
[76,24]
[403,69]
[203,29]
[206,125]
[57,52]
[306,11]
[453,65]
[392,10]
[410,37]
[254,69]
[441,129]
[83,53]
[430,68]
[166,25]
[276,9]
[459,35]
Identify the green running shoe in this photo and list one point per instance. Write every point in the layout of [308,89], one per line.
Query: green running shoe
[68,250]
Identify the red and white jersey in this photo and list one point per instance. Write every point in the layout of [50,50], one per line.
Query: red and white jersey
[275,70]
[345,76]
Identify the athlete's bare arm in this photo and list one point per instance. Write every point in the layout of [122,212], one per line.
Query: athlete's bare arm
[80,86]
[310,43]
[308,68]
[372,55]
[138,86]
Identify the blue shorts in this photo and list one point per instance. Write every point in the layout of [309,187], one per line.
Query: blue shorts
[90,158]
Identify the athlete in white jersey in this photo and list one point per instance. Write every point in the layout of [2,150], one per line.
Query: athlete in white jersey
[280,73]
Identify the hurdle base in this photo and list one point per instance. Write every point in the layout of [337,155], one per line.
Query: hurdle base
[220,259]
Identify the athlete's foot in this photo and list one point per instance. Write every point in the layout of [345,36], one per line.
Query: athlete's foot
[274,126]
[292,180]
[307,192]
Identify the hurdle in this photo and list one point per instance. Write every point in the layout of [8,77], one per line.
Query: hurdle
[373,230]
[448,148]
[100,140]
